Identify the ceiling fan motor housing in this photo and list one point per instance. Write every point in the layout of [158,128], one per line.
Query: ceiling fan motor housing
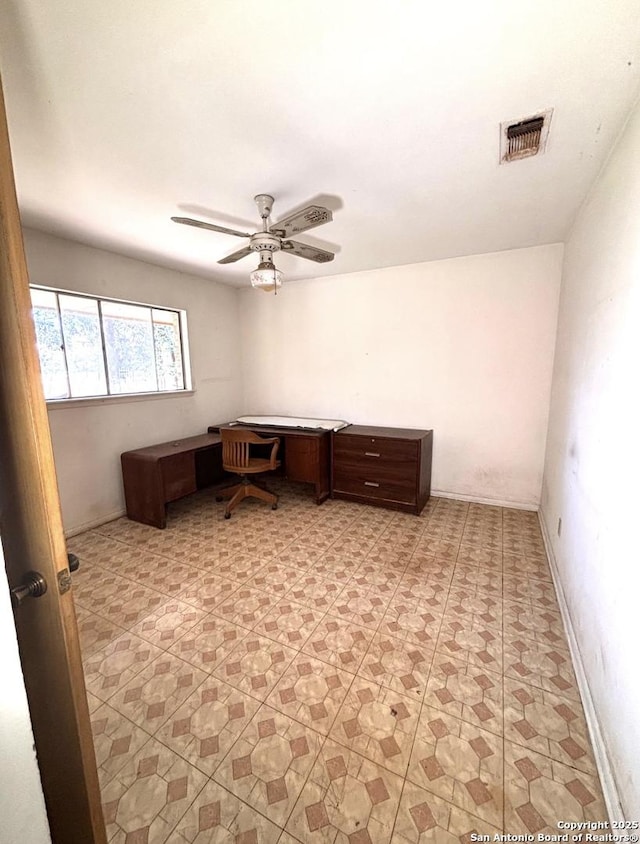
[264,242]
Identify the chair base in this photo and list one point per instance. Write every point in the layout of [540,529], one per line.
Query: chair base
[245,489]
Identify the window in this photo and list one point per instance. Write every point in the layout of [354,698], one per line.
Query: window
[90,346]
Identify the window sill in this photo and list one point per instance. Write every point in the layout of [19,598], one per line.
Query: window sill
[125,398]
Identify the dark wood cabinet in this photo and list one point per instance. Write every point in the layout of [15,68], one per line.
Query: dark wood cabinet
[390,467]
[158,474]
[306,459]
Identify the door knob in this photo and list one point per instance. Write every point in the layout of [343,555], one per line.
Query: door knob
[33,587]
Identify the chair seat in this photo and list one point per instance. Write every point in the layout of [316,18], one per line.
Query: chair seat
[256,464]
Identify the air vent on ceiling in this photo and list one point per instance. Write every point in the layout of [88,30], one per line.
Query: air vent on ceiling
[525,137]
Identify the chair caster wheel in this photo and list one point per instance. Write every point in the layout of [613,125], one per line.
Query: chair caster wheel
[274,506]
[227,515]
[218,498]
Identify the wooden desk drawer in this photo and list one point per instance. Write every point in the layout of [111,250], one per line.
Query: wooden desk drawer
[178,475]
[375,489]
[402,474]
[372,449]
[376,468]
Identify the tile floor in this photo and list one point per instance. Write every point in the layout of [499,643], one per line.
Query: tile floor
[338,674]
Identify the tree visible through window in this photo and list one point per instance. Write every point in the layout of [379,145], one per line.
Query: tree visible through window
[91,346]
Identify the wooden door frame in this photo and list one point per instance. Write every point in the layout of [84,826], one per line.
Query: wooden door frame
[33,539]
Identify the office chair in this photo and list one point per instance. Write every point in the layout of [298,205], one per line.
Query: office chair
[236,458]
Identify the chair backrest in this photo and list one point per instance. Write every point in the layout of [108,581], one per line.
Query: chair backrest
[236,443]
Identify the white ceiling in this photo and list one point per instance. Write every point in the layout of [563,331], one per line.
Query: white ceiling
[124,113]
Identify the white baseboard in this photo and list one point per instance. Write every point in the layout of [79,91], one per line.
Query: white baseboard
[474,499]
[94,524]
[603,763]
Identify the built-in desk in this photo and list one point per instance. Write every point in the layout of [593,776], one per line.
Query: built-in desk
[388,467]
[155,475]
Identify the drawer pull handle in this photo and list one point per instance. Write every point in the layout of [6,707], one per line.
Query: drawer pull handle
[372,454]
[370,483]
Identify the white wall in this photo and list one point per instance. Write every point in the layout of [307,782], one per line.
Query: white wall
[23,816]
[463,346]
[88,440]
[591,471]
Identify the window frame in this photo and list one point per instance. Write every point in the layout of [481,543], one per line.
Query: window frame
[109,397]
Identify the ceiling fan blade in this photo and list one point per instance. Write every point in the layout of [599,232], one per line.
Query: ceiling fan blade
[188,221]
[305,251]
[235,256]
[308,218]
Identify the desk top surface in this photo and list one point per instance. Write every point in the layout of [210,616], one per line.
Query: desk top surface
[212,438]
[186,444]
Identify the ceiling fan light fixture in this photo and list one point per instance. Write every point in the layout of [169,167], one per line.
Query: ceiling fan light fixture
[266,277]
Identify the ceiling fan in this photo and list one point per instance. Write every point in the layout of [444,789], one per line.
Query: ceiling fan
[273,238]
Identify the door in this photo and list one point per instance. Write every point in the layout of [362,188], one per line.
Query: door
[33,540]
